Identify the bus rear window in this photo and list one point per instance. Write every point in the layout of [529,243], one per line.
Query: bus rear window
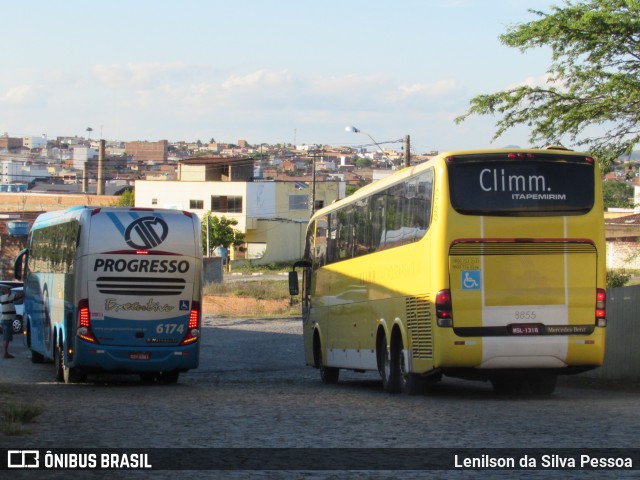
[546,186]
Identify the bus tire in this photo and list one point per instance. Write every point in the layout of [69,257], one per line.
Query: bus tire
[543,384]
[168,377]
[148,378]
[507,384]
[328,375]
[36,357]
[73,375]
[63,372]
[410,383]
[58,361]
[388,366]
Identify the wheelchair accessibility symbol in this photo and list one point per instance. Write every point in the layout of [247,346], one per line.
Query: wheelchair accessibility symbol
[470,280]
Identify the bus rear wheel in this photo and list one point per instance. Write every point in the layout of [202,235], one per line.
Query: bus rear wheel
[410,383]
[63,372]
[507,384]
[36,357]
[533,384]
[388,367]
[168,377]
[542,384]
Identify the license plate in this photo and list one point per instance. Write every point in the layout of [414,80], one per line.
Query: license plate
[139,355]
[526,329]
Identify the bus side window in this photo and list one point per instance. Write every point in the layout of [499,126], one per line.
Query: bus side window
[319,242]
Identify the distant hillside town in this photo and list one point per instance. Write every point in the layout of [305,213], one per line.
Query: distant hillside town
[40,164]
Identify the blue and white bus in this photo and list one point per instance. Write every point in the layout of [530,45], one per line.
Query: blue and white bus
[113,290]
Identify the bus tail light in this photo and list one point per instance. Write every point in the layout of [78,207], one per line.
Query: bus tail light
[444,312]
[193,331]
[601,307]
[84,322]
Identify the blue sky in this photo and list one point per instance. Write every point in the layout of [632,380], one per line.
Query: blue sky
[262,70]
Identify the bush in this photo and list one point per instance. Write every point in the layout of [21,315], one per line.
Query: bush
[617,279]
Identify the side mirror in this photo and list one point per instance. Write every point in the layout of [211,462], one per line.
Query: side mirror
[18,264]
[294,288]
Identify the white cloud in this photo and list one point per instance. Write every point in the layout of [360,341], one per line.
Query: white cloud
[259,79]
[440,87]
[138,75]
[21,94]
[539,81]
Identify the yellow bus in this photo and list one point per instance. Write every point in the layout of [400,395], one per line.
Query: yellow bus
[483,265]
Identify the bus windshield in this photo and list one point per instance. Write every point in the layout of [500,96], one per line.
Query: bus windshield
[545,185]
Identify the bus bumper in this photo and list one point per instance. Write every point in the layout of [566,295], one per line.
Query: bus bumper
[98,358]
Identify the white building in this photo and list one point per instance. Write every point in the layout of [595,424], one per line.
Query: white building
[21,171]
[81,155]
[34,142]
[272,215]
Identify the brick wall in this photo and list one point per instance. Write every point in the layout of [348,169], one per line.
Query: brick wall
[9,248]
[21,202]
[621,255]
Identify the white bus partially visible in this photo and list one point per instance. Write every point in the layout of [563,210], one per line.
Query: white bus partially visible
[113,290]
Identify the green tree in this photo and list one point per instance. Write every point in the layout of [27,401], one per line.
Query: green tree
[617,194]
[127,199]
[363,162]
[593,83]
[351,189]
[221,232]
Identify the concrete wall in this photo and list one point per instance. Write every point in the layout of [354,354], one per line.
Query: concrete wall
[212,270]
[45,202]
[284,240]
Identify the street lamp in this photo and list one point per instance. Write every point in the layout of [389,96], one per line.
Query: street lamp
[353,129]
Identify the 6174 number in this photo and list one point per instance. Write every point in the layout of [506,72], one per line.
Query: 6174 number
[169,328]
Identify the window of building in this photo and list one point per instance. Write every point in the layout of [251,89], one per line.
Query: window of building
[196,204]
[226,204]
[154,201]
[298,202]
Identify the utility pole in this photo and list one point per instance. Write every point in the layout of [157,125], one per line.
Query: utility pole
[313,188]
[100,180]
[407,151]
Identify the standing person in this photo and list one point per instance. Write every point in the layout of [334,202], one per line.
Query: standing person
[8,316]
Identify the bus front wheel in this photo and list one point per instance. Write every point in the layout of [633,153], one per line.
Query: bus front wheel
[328,375]
[36,357]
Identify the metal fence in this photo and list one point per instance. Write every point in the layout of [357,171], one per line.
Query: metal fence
[622,355]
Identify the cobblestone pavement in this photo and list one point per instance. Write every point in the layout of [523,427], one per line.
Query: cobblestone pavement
[252,390]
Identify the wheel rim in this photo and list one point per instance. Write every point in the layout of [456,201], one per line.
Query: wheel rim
[386,363]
